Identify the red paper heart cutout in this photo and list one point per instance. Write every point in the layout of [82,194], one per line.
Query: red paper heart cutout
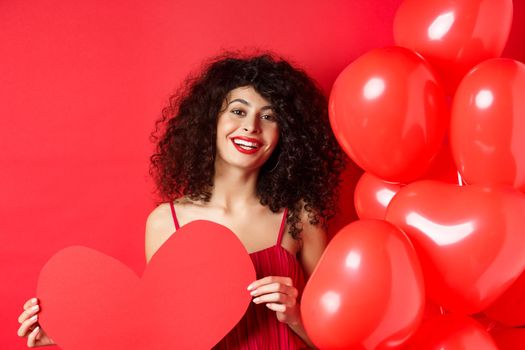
[191,294]
[469,240]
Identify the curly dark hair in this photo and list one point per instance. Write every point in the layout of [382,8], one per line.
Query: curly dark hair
[303,170]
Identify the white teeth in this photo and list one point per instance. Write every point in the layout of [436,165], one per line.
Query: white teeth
[245,143]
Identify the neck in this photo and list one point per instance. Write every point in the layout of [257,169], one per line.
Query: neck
[234,188]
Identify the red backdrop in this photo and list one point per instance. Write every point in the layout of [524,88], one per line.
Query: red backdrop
[82,84]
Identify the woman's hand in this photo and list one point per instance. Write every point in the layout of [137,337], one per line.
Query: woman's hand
[29,326]
[280,295]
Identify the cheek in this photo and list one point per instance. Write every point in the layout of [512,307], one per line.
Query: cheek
[274,135]
[225,126]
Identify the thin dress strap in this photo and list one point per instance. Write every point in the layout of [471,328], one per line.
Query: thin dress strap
[174,216]
[281,230]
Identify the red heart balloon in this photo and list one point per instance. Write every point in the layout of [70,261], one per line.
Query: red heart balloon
[487,128]
[443,168]
[389,113]
[509,309]
[366,291]
[372,195]
[509,338]
[451,332]
[454,35]
[469,239]
[191,294]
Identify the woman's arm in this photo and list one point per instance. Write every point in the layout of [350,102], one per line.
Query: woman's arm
[314,242]
[159,226]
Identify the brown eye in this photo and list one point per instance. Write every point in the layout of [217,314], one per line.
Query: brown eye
[269,117]
[237,112]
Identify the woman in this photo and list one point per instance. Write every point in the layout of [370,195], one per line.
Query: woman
[246,144]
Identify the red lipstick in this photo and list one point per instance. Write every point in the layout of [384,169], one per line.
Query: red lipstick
[246,149]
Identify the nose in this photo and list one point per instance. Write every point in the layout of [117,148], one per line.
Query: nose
[251,124]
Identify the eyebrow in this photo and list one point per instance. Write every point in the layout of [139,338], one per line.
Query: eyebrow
[244,102]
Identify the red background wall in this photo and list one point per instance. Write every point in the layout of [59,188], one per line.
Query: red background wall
[81,84]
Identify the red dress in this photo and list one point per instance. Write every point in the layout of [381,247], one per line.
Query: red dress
[259,327]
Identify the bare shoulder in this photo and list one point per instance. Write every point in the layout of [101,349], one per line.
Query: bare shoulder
[314,242]
[311,233]
[159,226]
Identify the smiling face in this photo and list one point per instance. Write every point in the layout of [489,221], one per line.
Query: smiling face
[247,129]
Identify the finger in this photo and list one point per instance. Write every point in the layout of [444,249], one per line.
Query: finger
[31,340]
[275,287]
[24,327]
[28,313]
[40,334]
[270,279]
[276,307]
[30,302]
[275,298]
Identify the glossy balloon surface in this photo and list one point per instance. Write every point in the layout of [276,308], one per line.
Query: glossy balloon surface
[367,290]
[488,124]
[451,332]
[469,239]
[454,35]
[389,113]
[372,195]
[509,309]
